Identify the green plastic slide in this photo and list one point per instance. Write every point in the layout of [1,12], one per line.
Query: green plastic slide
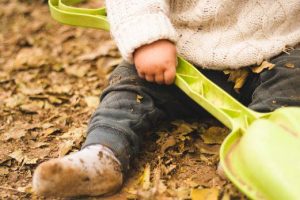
[261,155]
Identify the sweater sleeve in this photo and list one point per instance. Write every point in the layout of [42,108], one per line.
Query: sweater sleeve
[138,22]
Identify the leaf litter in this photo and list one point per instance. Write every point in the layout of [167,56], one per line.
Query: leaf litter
[51,77]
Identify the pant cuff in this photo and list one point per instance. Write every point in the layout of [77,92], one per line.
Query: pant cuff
[114,140]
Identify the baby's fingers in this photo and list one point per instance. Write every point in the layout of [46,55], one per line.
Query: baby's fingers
[149,78]
[159,78]
[169,75]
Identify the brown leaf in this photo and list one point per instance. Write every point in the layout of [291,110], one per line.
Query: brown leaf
[289,65]
[50,131]
[30,161]
[33,90]
[15,100]
[36,145]
[209,149]
[139,98]
[78,70]
[27,189]
[205,194]
[76,135]
[61,89]
[54,100]
[238,77]
[103,49]
[264,65]
[105,65]
[4,171]
[92,101]
[29,57]
[14,133]
[144,180]
[214,135]
[18,156]
[31,108]
[65,147]
[171,141]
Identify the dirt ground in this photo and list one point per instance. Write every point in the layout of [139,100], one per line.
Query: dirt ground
[51,76]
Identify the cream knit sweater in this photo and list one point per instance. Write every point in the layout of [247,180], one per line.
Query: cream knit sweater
[215,34]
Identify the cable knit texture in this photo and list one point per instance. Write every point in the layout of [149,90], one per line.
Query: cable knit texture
[214,34]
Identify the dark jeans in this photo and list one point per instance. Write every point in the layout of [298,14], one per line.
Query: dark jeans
[131,106]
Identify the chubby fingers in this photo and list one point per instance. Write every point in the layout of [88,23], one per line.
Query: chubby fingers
[149,77]
[161,77]
[169,75]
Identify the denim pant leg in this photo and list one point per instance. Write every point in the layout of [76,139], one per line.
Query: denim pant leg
[131,106]
[280,86]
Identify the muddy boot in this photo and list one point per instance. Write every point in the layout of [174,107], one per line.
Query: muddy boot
[92,171]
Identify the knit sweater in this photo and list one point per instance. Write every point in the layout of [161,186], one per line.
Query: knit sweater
[214,34]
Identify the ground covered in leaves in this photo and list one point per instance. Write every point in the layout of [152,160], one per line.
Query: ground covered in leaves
[51,76]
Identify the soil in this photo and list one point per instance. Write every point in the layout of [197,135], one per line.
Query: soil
[51,76]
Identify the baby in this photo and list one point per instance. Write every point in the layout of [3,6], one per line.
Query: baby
[212,34]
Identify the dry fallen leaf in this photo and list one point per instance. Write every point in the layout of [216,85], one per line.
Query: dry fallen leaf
[171,141]
[27,189]
[139,98]
[30,161]
[17,155]
[78,70]
[289,65]
[31,108]
[4,171]
[238,77]
[15,100]
[29,57]
[144,180]
[65,148]
[14,133]
[264,65]
[50,131]
[214,135]
[205,194]
[75,135]
[92,101]
[103,50]
[209,149]
[105,65]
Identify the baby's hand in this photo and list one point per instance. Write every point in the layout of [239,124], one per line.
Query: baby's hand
[156,62]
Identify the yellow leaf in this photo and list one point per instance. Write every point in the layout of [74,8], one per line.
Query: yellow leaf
[92,101]
[139,98]
[168,143]
[289,65]
[17,155]
[205,194]
[144,180]
[65,148]
[264,65]
[238,77]
[30,161]
[214,135]
[4,171]
[226,196]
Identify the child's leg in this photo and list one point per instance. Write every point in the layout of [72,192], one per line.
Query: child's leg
[280,86]
[129,107]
